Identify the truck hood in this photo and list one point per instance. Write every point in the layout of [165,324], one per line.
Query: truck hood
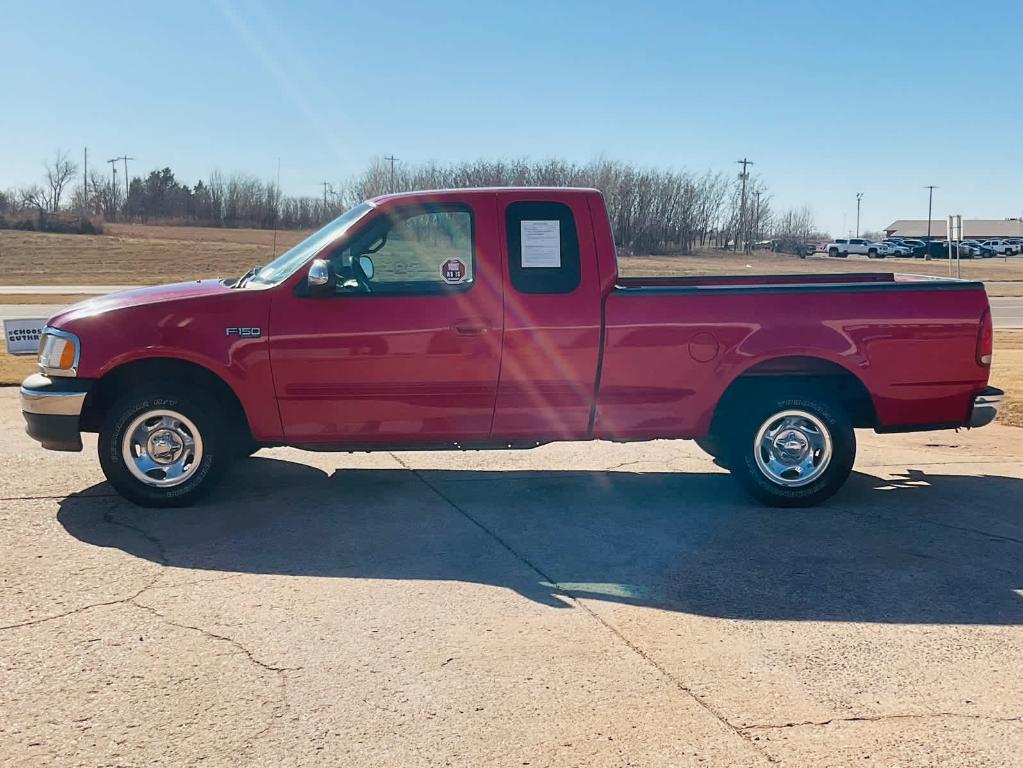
[157,294]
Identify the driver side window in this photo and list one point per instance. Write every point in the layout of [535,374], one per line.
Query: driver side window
[420,250]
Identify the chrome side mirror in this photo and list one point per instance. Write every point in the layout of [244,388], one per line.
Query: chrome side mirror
[320,278]
[367,266]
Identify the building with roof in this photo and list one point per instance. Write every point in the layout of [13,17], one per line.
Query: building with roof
[973,229]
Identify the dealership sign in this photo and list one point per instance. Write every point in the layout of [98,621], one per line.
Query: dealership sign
[23,336]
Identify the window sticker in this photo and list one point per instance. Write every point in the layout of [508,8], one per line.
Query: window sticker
[541,243]
[453,271]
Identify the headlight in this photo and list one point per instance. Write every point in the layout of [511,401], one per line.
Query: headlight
[58,353]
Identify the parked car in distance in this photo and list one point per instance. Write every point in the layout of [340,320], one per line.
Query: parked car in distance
[842,247]
[893,248]
[493,319]
[1002,247]
[1016,241]
[917,247]
[969,249]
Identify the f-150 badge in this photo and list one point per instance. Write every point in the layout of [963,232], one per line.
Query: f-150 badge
[246,332]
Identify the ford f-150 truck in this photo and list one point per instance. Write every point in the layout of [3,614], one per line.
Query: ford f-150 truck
[496,318]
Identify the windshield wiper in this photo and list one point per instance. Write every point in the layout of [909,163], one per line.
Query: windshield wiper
[251,273]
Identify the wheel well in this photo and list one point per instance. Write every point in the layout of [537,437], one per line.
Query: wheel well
[785,374]
[164,371]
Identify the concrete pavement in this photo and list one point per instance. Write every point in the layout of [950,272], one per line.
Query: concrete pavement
[574,605]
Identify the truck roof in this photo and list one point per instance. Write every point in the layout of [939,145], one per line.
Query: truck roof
[433,194]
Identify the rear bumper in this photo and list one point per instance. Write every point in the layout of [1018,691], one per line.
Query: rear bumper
[52,407]
[986,406]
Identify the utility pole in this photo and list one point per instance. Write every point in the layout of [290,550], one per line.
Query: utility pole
[392,160]
[125,159]
[113,187]
[859,196]
[930,200]
[85,183]
[326,186]
[743,176]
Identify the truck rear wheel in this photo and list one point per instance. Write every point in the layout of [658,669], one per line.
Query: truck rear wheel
[159,449]
[793,451]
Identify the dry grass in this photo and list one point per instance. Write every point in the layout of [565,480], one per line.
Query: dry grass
[44,298]
[37,258]
[1007,374]
[264,237]
[13,369]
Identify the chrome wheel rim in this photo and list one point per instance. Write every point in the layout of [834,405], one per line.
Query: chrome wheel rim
[793,448]
[162,448]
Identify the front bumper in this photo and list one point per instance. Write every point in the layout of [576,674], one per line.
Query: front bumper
[52,407]
[986,406]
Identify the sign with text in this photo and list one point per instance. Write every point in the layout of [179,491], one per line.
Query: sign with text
[23,336]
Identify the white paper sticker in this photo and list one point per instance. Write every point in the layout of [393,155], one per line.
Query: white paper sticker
[23,336]
[541,243]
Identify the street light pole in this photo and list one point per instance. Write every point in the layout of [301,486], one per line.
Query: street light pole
[859,196]
[930,200]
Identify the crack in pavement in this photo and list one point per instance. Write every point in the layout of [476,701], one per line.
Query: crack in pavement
[879,718]
[568,595]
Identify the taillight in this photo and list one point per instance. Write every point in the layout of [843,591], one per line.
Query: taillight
[985,339]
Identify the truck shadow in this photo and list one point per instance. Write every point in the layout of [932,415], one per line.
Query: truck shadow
[922,548]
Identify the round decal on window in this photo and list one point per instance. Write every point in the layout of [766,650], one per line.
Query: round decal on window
[453,271]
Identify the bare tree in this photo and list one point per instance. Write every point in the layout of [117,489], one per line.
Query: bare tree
[58,175]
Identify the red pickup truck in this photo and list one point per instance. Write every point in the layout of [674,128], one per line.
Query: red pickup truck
[496,318]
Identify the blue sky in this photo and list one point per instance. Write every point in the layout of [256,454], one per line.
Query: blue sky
[828,98]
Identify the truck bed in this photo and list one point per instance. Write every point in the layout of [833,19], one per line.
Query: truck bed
[914,352]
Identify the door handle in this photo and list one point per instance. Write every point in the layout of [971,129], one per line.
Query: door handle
[470,327]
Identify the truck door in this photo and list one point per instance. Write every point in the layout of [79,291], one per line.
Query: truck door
[552,317]
[409,354]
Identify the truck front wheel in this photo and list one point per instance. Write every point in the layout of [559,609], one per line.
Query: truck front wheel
[159,449]
[793,451]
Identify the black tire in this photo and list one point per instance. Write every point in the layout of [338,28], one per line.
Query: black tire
[873,254]
[715,447]
[833,253]
[743,460]
[200,410]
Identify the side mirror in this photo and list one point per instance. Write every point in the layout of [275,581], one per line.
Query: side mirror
[321,278]
[367,266]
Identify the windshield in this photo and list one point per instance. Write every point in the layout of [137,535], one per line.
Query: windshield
[285,265]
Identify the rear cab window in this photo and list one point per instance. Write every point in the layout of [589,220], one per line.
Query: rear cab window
[543,247]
